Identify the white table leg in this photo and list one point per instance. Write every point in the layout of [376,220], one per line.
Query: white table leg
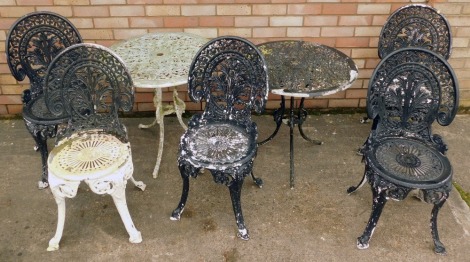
[119,198]
[160,145]
[157,102]
[180,106]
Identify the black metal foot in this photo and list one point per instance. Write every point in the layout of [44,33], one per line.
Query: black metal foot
[258,181]
[243,234]
[176,214]
[351,189]
[363,242]
[440,249]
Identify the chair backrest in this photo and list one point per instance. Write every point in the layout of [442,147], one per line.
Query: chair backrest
[33,41]
[409,89]
[416,25]
[231,75]
[91,84]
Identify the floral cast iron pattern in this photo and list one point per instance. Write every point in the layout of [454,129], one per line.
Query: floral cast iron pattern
[146,53]
[411,102]
[319,69]
[416,26]
[34,41]
[90,83]
[232,82]
[409,160]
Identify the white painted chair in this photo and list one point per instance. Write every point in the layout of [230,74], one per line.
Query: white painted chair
[91,84]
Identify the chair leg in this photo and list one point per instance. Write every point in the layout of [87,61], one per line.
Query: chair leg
[54,242]
[235,188]
[119,198]
[353,189]
[60,192]
[176,215]
[138,184]
[378,203]
[438,246]
[258,181]
[41,142]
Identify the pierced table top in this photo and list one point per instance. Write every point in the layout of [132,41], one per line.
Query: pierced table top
[159,60]
[306,69]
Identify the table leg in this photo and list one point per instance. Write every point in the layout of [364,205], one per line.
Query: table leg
[302,115]
[291,127]
[157,102]
[278,115]
[180,106]
[159,119]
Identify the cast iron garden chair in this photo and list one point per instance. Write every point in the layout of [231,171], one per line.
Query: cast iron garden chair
[408,91]
[416,25]
[32,42]
[90,84]
[230,75]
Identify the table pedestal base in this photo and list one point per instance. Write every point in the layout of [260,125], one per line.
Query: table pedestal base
[178,107]
[292,121]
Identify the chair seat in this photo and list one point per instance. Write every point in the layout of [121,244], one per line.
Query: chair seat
[410,163]
[217,145]
[36,111]
[89,157]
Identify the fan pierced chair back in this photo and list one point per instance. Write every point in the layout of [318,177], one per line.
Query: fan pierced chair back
[91,84]
[410,89]
[230,75]
[416,26]
[32,43]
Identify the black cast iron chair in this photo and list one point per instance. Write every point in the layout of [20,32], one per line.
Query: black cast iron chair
[416,25]
[32,42]
[230,75]
[408,91]
[89,83]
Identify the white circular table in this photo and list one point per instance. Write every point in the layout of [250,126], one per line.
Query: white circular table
[160,60]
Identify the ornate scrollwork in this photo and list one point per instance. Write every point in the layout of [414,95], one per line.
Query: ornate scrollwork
[391,190]
[408,160]
[91,84]
[437,195]
[416,26]
[410,89]
[318,68]
[187,169]
[219,144]
[231,75]
[34,41]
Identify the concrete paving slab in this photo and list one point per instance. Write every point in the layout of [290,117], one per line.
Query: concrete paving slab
[315,221]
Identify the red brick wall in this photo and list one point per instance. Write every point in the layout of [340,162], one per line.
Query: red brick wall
[352,26]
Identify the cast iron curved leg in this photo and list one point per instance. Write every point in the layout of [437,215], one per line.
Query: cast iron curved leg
[119,198]
[258,181]
[235,188]
[378,203]
[41,142]
[176,215]
[278,115]
[301,116]
[60,192]
[353,189]
[438,246]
